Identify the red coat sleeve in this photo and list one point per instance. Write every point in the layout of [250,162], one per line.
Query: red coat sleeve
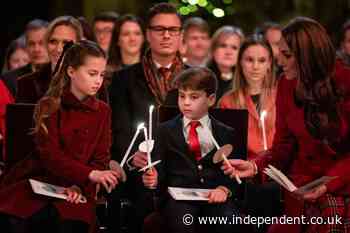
[284,142]
[56,161]
[101,155]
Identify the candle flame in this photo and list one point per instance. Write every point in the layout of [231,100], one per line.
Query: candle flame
[141,126]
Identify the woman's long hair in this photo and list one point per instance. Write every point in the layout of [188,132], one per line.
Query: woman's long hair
[114,54]
[315,63]
[74,56]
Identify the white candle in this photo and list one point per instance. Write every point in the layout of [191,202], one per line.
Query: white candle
[139,127]
[147,146]
[262,120]
[239,181]
[213,139]
[150,122]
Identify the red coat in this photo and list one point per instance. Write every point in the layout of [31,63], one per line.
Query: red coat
[304,157]
[5,98]
[65,157]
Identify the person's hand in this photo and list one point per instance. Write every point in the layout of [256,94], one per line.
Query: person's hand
[313,194]
[238,167]
[73,194]
[108,178]
[150,178]
[218,195]
[140,159]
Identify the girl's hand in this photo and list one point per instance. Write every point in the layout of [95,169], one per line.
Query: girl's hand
[74,194]
[108,178]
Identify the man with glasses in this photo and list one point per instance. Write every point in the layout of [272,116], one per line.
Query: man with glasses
[136,87]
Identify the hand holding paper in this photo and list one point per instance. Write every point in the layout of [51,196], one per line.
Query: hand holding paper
[309,191]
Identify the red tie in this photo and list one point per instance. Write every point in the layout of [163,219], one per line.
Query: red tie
[193,140]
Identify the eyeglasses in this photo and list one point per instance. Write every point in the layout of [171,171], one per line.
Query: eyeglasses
[160,30]
[104,30]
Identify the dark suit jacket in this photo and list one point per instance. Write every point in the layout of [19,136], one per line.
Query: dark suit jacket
[130,98]
[179,168]
[31,87]
[10,77]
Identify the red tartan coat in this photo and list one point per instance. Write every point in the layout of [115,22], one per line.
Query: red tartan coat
[306,158]
[78,142]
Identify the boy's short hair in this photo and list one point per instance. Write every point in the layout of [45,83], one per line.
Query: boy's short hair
[161,8]
[198,79]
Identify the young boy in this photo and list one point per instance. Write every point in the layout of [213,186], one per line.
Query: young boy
[187,151]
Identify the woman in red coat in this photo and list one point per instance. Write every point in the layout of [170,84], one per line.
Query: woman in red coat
[5,99]
[312,131]
[73,140]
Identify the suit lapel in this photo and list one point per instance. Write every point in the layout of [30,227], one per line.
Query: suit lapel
[177,139]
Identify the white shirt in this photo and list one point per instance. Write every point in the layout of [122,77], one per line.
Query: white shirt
[159,65]
[205,142]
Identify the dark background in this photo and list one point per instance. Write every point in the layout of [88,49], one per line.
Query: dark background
[244,13]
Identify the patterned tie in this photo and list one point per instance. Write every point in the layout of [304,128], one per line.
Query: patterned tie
[193,140]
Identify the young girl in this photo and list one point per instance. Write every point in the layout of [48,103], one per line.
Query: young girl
[255,90]
[72,132]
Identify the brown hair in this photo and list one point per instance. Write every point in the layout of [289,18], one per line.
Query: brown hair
[315,63]
[161,8]
[199,79]
[69,21]
[106,16]
[225,31]
[114,54]
[73,55]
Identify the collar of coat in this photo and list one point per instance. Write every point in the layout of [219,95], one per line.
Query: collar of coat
[70,101]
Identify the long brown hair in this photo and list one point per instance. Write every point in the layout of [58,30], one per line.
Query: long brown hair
[114,54]
[315,63]
[74,56]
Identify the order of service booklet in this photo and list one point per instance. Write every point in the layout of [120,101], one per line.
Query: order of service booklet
[50,190]
[189,194]
[283,180]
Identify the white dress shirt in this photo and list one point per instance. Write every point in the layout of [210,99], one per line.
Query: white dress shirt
[205,142]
